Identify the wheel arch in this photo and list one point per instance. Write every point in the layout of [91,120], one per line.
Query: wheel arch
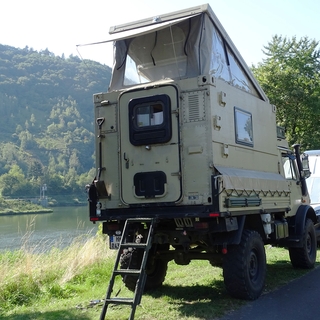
[254,222]
[247,222]
[298,222]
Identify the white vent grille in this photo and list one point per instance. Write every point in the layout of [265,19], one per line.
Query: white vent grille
[194,106]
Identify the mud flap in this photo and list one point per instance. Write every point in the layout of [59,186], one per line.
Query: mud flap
[92,198]
[232,237]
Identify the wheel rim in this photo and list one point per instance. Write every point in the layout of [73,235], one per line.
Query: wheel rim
[309,244]
[253,266]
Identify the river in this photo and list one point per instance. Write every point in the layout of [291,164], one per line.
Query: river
[45,230]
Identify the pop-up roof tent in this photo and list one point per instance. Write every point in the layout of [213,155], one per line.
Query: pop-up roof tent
[178,45]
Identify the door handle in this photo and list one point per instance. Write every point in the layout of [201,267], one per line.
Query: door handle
[126,159]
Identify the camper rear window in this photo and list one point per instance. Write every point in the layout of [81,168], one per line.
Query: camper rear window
[243,127]
[150,120]
[149,115]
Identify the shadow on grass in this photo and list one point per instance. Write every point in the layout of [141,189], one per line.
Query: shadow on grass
[212,301]
[205,302]
[49,315]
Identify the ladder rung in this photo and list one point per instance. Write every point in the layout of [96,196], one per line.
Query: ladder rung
[127,271]
[128,301]
[139,219]
[133,245]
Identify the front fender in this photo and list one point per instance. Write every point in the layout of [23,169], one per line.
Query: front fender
[302,214]
[297,225]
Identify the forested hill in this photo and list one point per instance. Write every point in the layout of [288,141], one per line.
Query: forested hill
[46,120]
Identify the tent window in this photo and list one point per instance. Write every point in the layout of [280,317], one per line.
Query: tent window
[155,56]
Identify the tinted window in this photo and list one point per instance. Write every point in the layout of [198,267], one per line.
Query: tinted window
[150,120]
[149,115]
[243,127]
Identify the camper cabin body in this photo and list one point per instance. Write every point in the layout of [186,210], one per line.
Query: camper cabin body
[186,123]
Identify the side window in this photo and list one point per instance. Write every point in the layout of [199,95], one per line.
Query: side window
[150,120]
[289,167]
[243,127]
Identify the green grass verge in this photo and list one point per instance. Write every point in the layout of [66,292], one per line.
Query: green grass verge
[68,284]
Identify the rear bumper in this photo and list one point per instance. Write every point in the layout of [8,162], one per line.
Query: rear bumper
[160,212]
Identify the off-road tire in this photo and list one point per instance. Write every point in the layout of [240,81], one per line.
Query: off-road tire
[156,270]
[305,257]
[244,267]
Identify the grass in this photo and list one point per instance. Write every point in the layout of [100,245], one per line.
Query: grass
[69,284]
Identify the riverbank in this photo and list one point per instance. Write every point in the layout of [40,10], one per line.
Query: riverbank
[68,201]
[16,207]
[32,206]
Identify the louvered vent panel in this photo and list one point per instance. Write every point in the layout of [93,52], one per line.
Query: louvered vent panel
[193,101]
[194,106]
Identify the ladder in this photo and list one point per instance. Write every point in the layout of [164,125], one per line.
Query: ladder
[140,273]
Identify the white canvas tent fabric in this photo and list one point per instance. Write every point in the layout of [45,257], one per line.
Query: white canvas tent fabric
[193,45]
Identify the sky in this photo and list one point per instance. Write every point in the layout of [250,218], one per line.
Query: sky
[60,25]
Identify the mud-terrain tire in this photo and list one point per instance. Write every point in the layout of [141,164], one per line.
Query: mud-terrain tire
[156,271]
[244,267]
[305,257]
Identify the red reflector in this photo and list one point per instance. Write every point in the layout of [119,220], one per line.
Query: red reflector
[201,225]
[94,219]
[214,214]
[224,251]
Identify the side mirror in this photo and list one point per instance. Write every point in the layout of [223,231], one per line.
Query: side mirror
[305,166]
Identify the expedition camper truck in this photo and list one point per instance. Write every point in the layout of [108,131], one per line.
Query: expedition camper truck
[190,161]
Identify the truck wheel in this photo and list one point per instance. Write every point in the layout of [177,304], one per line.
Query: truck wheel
[156,271]
[305,257]
[244,267]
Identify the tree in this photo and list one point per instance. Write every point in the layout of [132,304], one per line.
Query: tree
[35,170]
[14,183]
[290,77]
[32,119]
[74,162]
[54,183]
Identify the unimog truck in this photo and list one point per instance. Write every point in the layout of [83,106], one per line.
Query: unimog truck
[190,163]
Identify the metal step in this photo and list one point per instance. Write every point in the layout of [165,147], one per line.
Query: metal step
[126,301]
[132,245]
[139,220]
[127,271]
